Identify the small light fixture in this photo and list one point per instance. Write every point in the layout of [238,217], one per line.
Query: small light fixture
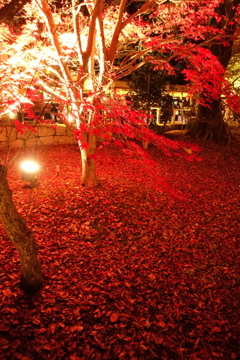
[70,118]
[29,169]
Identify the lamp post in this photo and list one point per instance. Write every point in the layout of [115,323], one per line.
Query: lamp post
[29,169]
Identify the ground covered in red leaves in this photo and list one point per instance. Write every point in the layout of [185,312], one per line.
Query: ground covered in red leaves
[129,273]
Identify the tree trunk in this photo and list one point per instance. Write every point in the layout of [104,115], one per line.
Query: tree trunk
[89,177]
[145,144]
[21,237]
[210,123]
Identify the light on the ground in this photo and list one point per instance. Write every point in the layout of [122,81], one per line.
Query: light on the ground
[29,166]
[29,169]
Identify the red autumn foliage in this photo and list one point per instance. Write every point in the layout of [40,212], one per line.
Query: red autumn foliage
[130,272]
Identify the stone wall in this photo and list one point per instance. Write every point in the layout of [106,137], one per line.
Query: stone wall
[56,134]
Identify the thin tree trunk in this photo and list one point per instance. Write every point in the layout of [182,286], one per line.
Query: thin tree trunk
[145,144]
[21,237]
[89,177]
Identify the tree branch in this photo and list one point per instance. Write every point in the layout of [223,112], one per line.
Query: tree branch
[91,33]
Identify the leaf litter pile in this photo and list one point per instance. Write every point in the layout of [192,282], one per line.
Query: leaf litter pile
[129,273]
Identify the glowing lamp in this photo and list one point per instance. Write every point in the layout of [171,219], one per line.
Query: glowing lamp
[70,118]
[29,169]
[12,115]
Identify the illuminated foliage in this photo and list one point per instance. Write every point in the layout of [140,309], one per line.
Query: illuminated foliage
[76,52]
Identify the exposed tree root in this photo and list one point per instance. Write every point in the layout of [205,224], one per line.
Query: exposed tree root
[215,131]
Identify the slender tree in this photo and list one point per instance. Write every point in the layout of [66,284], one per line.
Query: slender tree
[148,90]
[148,87]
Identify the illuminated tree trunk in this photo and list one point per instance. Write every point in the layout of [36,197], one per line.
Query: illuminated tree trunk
[89,177]
[210,123]
[145,144]
[21,237]
[90,49]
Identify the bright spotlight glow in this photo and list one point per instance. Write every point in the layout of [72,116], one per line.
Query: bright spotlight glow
[70,118]
[12,115]
[29,166]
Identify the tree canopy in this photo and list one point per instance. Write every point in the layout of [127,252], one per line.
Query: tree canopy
[75,52]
